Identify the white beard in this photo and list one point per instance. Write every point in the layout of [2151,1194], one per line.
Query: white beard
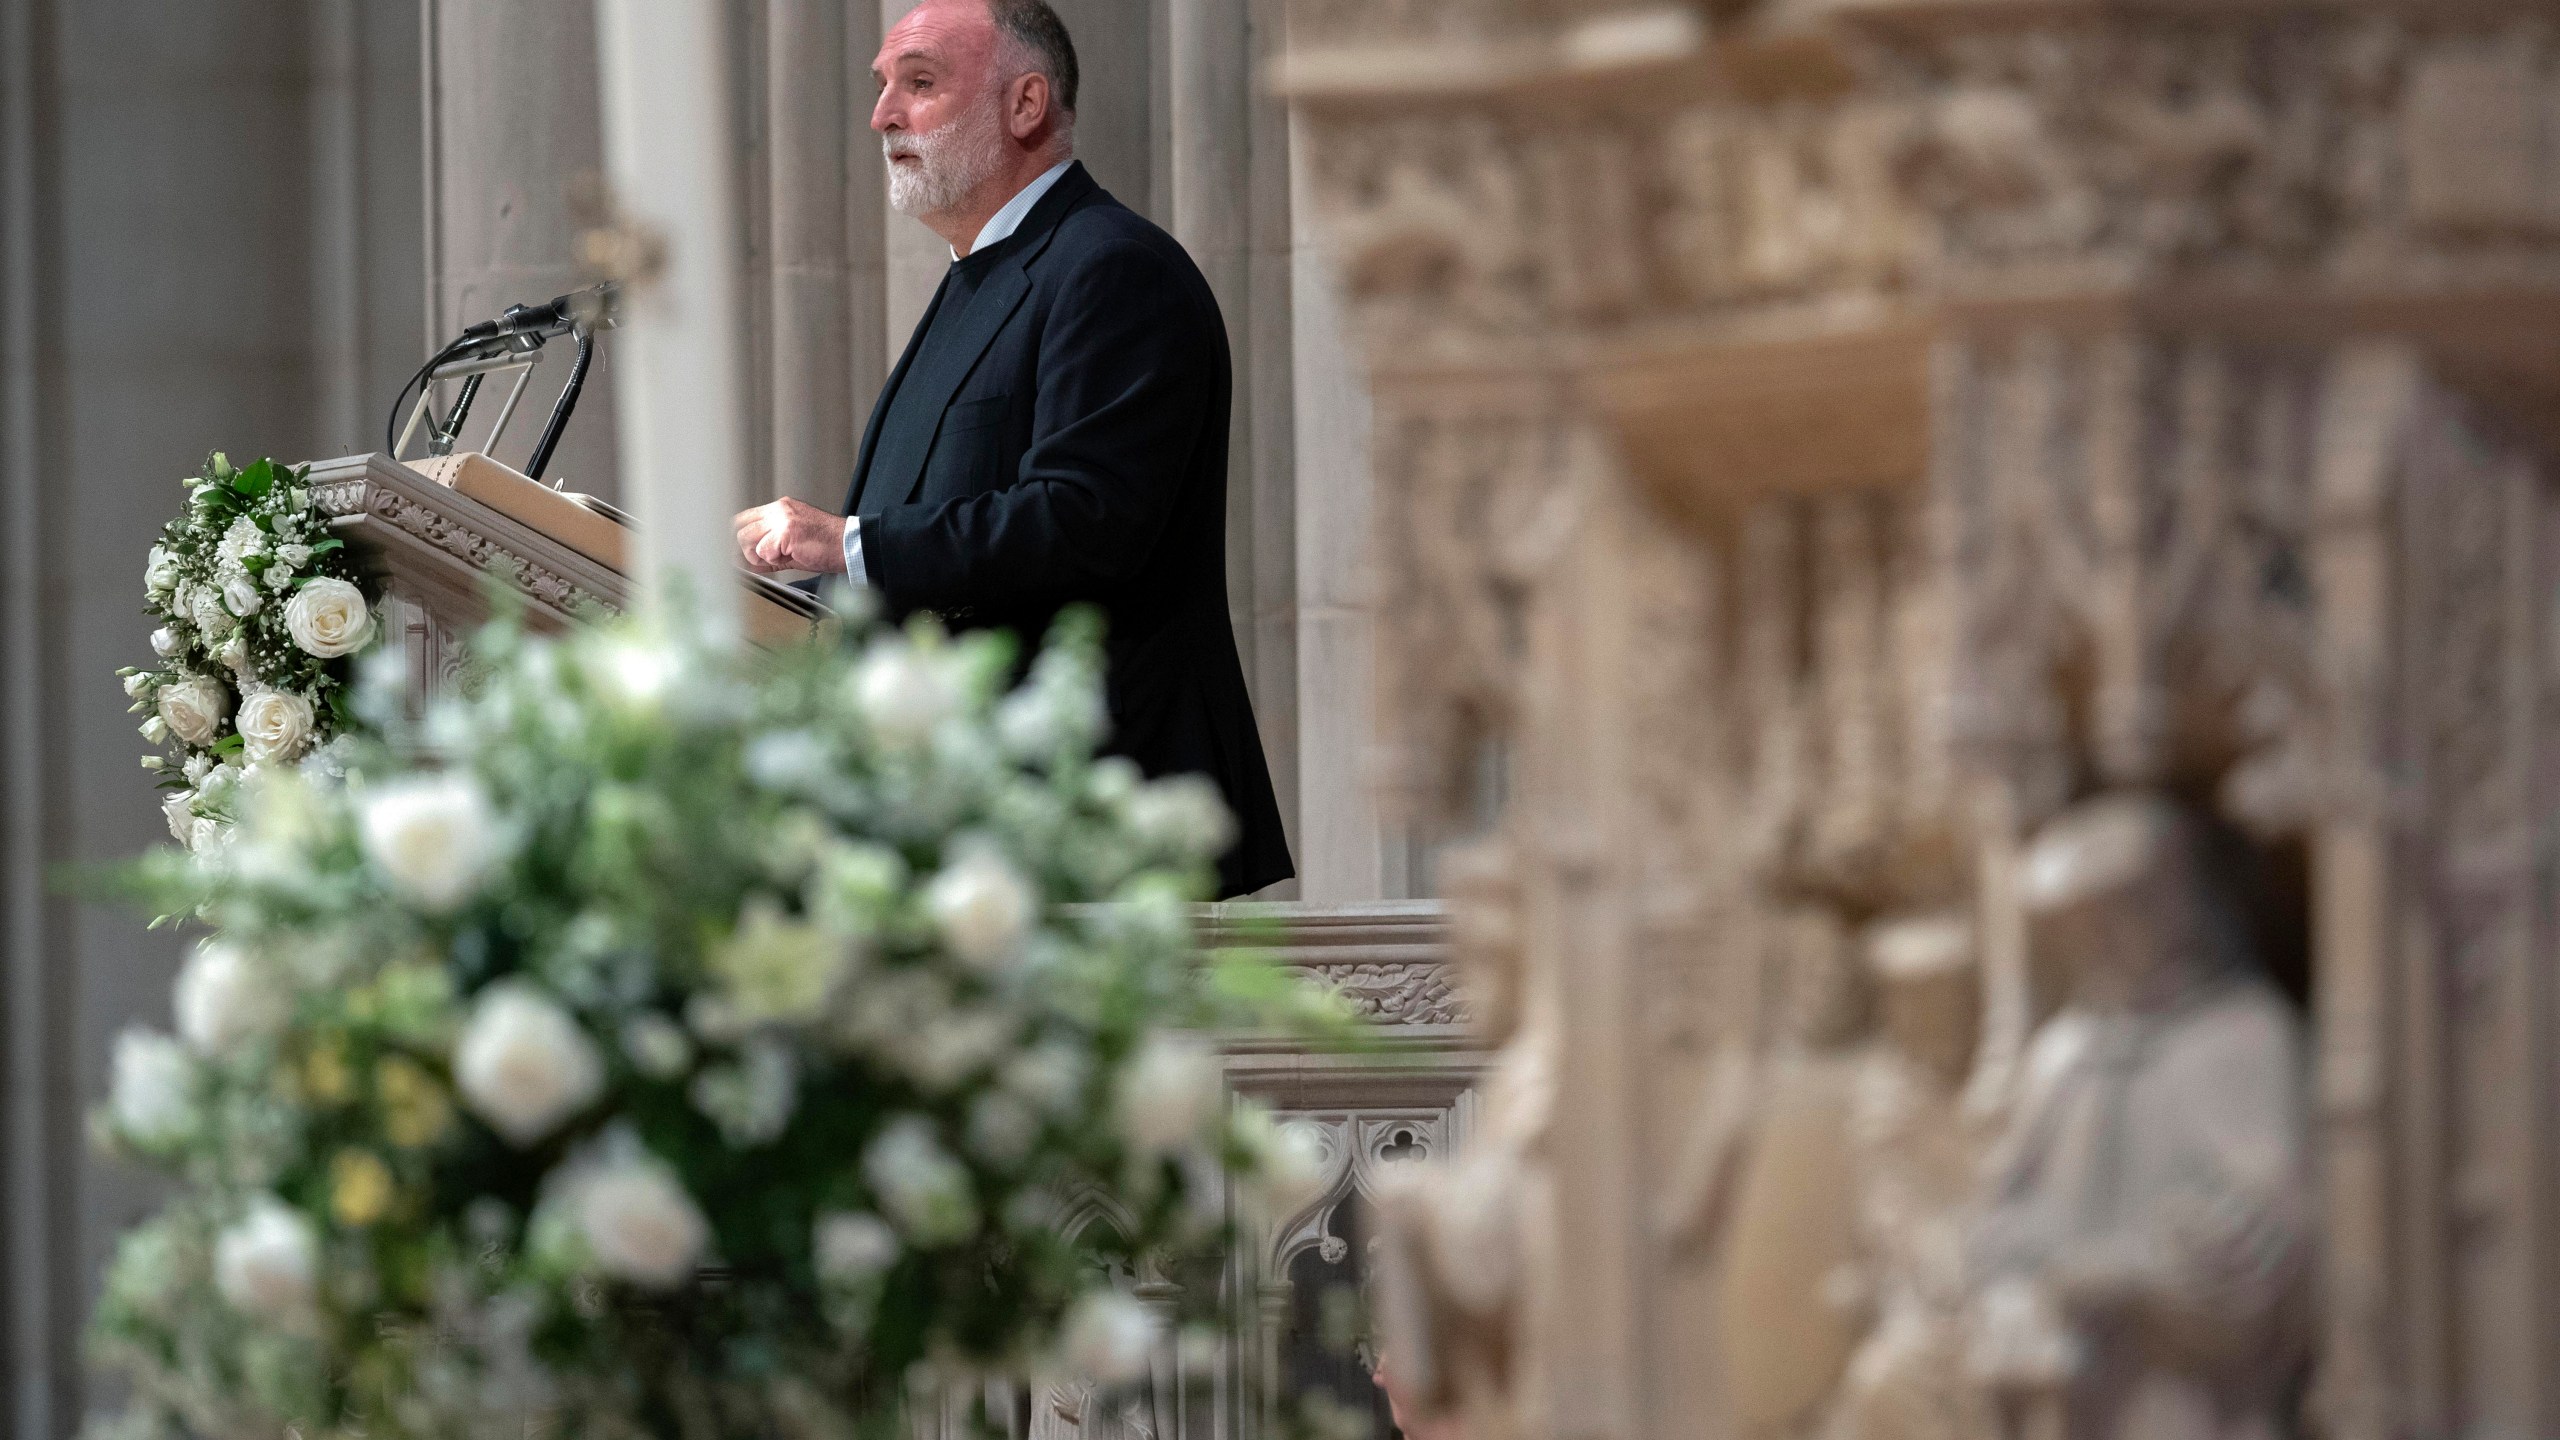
[950,162]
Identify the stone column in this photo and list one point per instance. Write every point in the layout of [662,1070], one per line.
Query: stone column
[807,103]
[1214,122]
[512,122]
[1344,850]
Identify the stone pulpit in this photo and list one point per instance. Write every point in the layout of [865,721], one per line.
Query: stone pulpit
[439,532]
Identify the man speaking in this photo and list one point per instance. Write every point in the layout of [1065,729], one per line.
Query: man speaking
[1056,431]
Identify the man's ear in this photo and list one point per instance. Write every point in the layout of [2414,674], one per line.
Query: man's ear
[1030,107]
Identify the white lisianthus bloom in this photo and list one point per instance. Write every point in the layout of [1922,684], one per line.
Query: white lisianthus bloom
[155,730]
[947,1048]
[774,967]
[137,684]
[234,653]
[981,907]
[1050,1076]
[205,834]
[1184,814]
[205,608]
[328,617]
[180,811]
[902,693]
[1108,1336]
[657,1046]
[275,725]
[1002,1129]
[149,1094]
[849,1247]
[240,594]
[267,1264]
[279,576]
[160,574]
[198,767]
[294,556]
[1168,1093]
[194,708]
[434,839]
[225,999]
[241,541]
[164,642]
[921,1186]
[523,1065]
[638,1222]
[1288,1161]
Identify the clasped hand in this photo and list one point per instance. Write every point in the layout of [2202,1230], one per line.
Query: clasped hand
[791,534]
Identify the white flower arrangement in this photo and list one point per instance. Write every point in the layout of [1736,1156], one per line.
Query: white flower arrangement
[652,1023]
[258,608]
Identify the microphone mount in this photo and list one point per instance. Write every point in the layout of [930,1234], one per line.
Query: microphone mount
[512,341]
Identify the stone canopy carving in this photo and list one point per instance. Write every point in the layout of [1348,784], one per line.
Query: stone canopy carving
[1825,445]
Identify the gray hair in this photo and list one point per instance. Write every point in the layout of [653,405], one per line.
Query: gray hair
[1032,27]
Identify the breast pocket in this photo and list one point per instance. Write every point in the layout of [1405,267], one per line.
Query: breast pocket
[968,450]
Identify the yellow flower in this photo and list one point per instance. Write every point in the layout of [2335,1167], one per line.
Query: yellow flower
[415,1112]
[324,1074]
[360,1188]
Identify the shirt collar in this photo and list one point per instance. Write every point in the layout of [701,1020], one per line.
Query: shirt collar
[1009,219]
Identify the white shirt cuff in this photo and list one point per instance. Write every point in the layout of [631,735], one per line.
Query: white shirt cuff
[853,570]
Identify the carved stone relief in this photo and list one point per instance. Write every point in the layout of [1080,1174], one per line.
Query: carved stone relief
[1822,460]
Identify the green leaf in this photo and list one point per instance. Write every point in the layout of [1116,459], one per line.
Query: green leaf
[231,744]
[258,479]
[325,546]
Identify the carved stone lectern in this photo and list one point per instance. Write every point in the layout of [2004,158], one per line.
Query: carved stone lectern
[435,545]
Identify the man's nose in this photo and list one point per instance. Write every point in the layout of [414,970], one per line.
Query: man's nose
[885,112]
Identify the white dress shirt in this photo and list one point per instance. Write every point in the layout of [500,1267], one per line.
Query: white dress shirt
[999,226]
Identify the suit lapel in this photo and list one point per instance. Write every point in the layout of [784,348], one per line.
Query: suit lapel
[971,333]
[974,329]
[889,393]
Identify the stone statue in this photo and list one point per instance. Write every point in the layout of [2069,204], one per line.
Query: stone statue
[2140,1269]
[1832,1176]
[1458,1255]
[1915,1157]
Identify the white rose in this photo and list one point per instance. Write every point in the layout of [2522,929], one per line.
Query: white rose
[164,642]
[327,617]
[1108,1336]
[240,595]
[234,653]
[194,708]
[434,839]
[205,834]
[224,998]
[981,907]
[522,1064]
[902,694]
[1168,1092]
[639,1223]
[180,811]
[160,576]
[275,725]
[267,1264]
[849,1247]
[148,1095]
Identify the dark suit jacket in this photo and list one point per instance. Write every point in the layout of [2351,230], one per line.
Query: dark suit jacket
[1081,456]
